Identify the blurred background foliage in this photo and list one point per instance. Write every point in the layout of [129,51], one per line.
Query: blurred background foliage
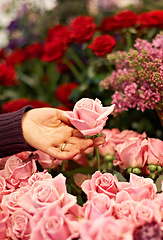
[31,23]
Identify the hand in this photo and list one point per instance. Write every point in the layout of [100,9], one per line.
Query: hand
[47,129]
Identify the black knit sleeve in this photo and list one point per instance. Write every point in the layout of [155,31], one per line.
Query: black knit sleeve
[11,135]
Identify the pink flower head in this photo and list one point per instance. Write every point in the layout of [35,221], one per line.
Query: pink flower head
[101,183]
[45,193]
[89,116]
[131,153]
[17,171]
[155,151]
[51,224]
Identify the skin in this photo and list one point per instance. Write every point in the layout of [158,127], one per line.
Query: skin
[47,129]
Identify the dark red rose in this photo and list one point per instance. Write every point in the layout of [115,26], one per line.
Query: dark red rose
[39,104]
[157,15]
[34,50]
[54,51]
[58,32]
[109,24]
[82,28]
[14,105]
[126,18]
[2,53]
[63,93]
[16,57]
[146,20]
[102,45]
[7,75]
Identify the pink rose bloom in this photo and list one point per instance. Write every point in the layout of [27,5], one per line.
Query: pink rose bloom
[147,211]
[39,176]
[155,151]
[19,225]
[89,116]
[137,189]
[45,193]
[125,209]
[115,137]
[50,224]
[17,172]
[101,228]
[46,161]
[131,153]
[11,200]
[4,214]
[109,146]
[101,183]
[98,204]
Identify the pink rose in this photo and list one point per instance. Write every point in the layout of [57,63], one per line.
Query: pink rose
[147,211]
[4,214]
[45,193]
[125,209]
[101,228]
[137,189]
[101,183]
[46,161]
[17,172]
[39,176]
[50,224]
[115,137]
[11,200]
[131,153]
[89,116]
[98,204]
[155,151]
[19,225]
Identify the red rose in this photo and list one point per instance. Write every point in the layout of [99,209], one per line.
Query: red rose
[109,24]
[63,93]
[7,75]
[59,31]
[14,105]
[126,18]
[16,57]
[54,51]
[146,20]
[82,28]
[102,45]
[157,15]
[39,104]
[34,50]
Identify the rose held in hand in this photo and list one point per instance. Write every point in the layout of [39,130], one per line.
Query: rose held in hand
[89,116]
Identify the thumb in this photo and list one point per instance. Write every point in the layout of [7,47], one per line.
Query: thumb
[63,118]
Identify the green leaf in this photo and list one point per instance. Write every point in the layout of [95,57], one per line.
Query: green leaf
[159,183]
[119,176]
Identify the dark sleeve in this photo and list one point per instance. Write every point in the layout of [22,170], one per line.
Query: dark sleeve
[11,135]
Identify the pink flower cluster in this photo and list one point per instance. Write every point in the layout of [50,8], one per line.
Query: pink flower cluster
[132,149]
[138,78]
[34,205]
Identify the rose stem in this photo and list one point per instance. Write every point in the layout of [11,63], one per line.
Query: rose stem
[97,158]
